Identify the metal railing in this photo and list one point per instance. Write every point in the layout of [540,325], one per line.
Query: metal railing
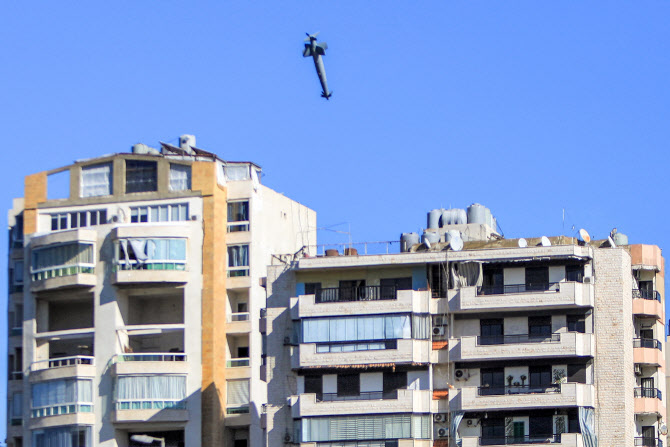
[242,409]
[150,404]
[648,392]
[362,248]
[528,439]
[61,362]
[518,288]
[367,395]
[16,375]
[647,294]
[238,362]
[650,441]
[238,316]
[518,389]
[362,293]
[152,357]
[519,338]
[647,343]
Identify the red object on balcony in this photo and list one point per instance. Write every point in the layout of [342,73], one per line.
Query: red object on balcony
[440,344]
[440,394]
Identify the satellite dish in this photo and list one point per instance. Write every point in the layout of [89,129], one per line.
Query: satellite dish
[584,235]
[427,242]
[611,241]
[545,241]
[456,243]
[663,429]
[523,243]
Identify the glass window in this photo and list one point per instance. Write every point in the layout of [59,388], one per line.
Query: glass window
[180,177]
[574,273]
[150,392]
[237,172]
[67,436]
[18,272]
[366,427]
[151,254]
[173,212]
[141,176]
[79,219]
[237,396]
[238,216]
[238,260]
[61,397]
[96,180]
[62,260]
[363,328]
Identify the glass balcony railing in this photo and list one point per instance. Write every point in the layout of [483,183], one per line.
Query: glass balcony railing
[518,288]
[237,363]
[519,338]
[60,362]
[518,389]
[152,357]
[647,343]
[362,293]
[529,439]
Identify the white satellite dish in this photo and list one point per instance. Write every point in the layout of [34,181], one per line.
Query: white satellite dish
[663,429]
[611,241]
[427,242]
[523,243]
[545,241]
[456,243]
[584,235]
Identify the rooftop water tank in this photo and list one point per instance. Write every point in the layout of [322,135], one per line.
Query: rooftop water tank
[407,240]
[431,237]
[434,218]
[620,239]
[477,214]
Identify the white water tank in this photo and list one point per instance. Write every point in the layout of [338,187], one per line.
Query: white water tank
[434,218]
[407,240]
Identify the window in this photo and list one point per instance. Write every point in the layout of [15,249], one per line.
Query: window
[574,273]
[491,331]
[312,288]
[17,274]
[352,329]
[180,177]
[389,286]
[237,397]
[151,254]
[238,216]
[537,278]
[493,431]
[539,326]
[141,176]
[314,384]
[96,180]
[237,172]
[62,260]
[577,323]
[365,427]
[78,219]
[540,376]
[238,260]
[348,384]
[61,397]
[17,406]
[493,281]
[437,280]
[67,436]
[173,212]
[492,381]
[150,392]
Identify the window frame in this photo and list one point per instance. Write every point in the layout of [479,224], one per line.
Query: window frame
[136,182]
[234,226]
[91,167]
[238,270]
[146,211]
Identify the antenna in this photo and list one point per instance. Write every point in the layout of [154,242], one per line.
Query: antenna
[584,235]
[545,242]
[523,243]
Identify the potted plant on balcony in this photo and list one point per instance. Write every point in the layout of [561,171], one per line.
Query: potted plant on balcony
[523,379]
[509,380]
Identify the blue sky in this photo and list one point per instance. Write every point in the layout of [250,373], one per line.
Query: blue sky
[526,107]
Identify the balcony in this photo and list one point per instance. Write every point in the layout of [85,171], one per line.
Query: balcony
[374,352]
[330,302]
[648,351]
[62,367]
[648,442]
[63,260]
[562,440]
[150,363]
[560,295]
[521,397]
[649,400]
[648,303]
[238,323]
[150,411]
[378,402]
[523,346]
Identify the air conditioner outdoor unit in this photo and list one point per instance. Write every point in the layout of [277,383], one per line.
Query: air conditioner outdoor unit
[461,374]
[442,433]
[438,330]
[588,280]
[439,417]
[638,369]
[288,437]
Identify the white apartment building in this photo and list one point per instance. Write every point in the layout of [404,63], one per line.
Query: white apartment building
[479,341]
[135,300]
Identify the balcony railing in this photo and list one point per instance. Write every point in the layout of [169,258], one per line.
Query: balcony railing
[647,343]
[358,345]
[648,392]
[518,288]
[153,404]
[152,264]
[16,375]
[518,389]
[648,442]
[152,357]
[519,338]
[61,362]
[242,409]
[368,395]
[647,294]
[362,293]
[55,410]
[531,439]
[238,316]
[237,363]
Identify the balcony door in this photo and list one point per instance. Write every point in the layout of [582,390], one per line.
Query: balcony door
[648,389]
[352,290]
[539,328]
[648,435]
[389,286]
[492,381]
[493,431]
[540,378]
[537,278]
[491,330]
[493,282]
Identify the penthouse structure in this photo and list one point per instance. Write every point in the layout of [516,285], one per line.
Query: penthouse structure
[135,300]
[468,339]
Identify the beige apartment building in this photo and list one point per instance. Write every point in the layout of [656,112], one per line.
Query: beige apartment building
[135,300]
[468,339]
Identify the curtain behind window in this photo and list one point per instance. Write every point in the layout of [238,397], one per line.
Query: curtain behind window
[238,256]
[151,388]
[238,392]
[68,436]
[180,177]
[96,180]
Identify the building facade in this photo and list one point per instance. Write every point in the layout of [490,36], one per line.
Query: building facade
[486,342]
[135,300]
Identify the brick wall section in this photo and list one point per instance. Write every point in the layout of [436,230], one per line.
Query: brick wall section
[213,302]
[35,192]
[614,332]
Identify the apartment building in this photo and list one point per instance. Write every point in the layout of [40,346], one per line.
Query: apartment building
[468,339]
[135,300]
